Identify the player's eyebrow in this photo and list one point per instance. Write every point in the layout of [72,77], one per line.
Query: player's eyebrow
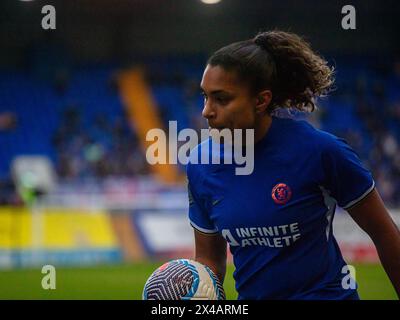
[214,92]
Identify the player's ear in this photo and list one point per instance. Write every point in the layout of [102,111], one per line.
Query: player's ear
[263,100]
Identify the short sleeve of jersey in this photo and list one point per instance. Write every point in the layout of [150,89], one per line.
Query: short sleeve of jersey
[344,175]
[198,216]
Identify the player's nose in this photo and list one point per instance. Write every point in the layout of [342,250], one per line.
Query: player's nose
[208,112]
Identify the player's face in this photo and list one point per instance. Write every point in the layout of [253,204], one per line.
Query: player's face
[228,102]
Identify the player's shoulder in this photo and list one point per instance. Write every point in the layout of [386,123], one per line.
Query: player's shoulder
[194,168]
[307,134]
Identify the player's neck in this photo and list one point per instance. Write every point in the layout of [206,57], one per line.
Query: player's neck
[262,127]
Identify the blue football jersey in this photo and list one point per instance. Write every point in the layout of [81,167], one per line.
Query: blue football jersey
[278,219]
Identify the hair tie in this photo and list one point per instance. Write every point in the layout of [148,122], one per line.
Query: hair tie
[263,44]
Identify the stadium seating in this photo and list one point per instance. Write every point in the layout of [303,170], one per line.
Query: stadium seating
[364,93]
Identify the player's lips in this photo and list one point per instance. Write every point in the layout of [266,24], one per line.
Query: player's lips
[217,128]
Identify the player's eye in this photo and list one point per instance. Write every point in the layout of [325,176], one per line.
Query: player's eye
[222,100]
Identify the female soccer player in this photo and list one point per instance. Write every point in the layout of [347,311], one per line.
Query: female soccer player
[278,220]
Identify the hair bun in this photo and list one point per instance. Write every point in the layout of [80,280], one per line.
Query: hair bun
[262,41]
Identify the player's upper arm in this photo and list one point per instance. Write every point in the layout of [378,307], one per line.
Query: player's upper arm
[210,249]
[371,215]
[210,246]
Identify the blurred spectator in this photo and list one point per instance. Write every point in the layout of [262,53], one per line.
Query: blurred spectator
[8,121]
[61,81]
[105,148]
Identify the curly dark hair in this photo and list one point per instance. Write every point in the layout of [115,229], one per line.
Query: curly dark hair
[282,62]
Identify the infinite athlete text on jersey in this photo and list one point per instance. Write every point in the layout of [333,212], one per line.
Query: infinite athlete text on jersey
[272,236]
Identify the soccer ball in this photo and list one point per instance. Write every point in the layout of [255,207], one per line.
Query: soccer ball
[183,279]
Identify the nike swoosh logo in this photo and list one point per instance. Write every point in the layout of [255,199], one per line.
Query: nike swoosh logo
[215,202]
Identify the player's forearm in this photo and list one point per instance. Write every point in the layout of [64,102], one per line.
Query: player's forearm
[211,250]
[388,247]
[372,216]
[218,267]
[220,271]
